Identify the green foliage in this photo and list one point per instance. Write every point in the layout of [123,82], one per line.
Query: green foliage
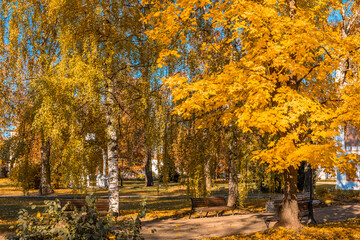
[26,175]
[41,226]
[330,193]
[344,194]
[321,192]
[243,191]
[55,223]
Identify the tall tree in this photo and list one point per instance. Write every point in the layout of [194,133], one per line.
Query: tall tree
[347,73]
[100,42]
[31,40]
[112,141]
[276,78]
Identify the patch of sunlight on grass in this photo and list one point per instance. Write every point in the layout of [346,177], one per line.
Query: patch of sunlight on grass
[5,182]
[137,188]
[172,201]
[255,204]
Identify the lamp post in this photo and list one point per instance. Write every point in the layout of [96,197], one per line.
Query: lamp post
[311,220]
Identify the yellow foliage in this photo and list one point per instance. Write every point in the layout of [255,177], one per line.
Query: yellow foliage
[276,80]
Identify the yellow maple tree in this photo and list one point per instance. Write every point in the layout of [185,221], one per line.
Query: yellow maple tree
[276,76]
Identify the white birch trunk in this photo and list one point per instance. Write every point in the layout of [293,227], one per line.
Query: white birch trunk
[104,161]
[112,140]
[112,146]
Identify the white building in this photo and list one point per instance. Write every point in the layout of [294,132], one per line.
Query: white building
[322,175]
[351,144]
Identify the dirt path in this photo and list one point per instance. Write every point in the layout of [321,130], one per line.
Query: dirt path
[199,228]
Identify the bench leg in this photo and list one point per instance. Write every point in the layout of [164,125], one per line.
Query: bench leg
[200,214]
[267,222]
[206,214]
[232,212]
[217,214]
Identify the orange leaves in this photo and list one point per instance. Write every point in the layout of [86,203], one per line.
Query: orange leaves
[341,230]
[164,55]
[284,153]
[275,76]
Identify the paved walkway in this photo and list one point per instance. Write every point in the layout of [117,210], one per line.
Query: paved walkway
[199,228]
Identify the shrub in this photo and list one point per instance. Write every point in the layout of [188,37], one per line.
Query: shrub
[336,194]
[344,194]
[54,223]
[321,192]
[26,175]
[242,193]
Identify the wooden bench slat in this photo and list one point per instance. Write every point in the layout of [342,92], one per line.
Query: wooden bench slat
[216,209]
[215,201]
[209,204]
[101,205]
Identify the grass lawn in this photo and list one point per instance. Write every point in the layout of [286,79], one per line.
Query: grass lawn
[328,185]
[161,201]
[9,208]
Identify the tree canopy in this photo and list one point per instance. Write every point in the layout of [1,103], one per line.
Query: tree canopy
[197,87]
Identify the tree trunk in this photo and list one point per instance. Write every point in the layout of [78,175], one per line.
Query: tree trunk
[289,212]
[340,74]
[103,183]
[11,158]
[233,182]
[308,187]
[307,178]
[207,175]
[112,146]
[45,180]
[148,168]
[122,172]
[112,139]
[104,161]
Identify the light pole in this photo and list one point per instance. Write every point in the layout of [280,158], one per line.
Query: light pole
[311,220]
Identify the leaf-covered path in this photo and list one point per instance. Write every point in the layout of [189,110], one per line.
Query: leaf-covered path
[198,228]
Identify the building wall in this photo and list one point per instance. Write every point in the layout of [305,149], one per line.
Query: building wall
[350,144]
[342,182]
[322,175]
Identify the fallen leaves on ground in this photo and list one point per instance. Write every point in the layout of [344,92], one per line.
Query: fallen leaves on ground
[346,230]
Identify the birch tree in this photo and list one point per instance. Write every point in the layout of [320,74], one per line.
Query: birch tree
[32,49]
[98,43]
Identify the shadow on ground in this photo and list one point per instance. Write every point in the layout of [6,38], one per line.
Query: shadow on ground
[228,225]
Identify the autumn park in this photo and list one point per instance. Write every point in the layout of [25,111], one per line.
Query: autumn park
[179,119]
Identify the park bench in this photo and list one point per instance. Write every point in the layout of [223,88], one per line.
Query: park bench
[275,204]
[101,205]
[210,204]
